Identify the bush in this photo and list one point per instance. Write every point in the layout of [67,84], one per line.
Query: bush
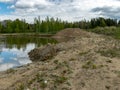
[110,31]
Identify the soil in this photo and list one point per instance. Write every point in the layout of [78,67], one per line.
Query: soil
[86,62]
[69,34]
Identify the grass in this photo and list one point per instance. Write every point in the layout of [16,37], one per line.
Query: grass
[10,71]
[61,64]
[34,89]
[109,61]
[89,65]
[21,87]
[56,61]
[83,53]
[41,80]
[59,79]
[110,53]
[110,31]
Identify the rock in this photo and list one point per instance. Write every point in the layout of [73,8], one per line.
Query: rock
[42,54]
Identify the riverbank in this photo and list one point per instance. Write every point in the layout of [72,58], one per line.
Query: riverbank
[26,34]
[87,62]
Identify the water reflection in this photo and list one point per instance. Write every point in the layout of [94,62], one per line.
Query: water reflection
[14,50]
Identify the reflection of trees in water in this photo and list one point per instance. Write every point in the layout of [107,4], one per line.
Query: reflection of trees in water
[22,41]
[2,43]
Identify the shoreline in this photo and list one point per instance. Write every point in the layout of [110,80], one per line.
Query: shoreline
[88,61]
[27,34]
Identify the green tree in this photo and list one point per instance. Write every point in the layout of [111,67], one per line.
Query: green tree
[9,26]
[0,27]
[102,22]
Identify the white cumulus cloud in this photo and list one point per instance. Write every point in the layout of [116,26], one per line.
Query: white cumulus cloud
[71,10]
[6,1]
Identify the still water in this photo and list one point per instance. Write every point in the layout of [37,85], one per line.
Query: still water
[14,50]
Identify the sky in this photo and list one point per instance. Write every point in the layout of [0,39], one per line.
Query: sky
[70,10]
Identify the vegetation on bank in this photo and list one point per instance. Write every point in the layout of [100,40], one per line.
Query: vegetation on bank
[50,26]
[109,31]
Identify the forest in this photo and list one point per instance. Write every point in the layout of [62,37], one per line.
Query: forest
[52,25]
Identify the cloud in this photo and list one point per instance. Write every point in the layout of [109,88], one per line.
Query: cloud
[110,12]
[28,18]
[31,3]
[64,9]
[71,10]
[6,1]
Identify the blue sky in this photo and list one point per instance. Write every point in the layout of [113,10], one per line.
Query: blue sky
[4,9]
[71,10]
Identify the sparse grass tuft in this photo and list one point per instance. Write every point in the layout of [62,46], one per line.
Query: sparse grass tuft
[89,65]
[83,53]
[72,59]
[110,53]
[10,71]
[21,87]
[56,61]
[41,80]
[61,64]
[60,79]
[109,61]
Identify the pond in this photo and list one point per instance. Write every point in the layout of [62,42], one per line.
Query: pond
[14,49]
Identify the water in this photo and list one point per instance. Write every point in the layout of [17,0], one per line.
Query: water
[14,50]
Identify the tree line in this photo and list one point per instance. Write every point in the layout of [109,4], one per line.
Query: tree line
[52,25]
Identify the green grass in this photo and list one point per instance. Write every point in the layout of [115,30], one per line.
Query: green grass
[89,65]
[110,53]
[83,53]
[21,87]
[41,80]
[60,79]
[110,31]
[11,71]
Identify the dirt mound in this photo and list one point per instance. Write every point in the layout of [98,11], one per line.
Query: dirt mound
[71,32]
[42,54]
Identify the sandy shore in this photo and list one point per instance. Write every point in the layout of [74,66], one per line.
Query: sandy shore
[87,62]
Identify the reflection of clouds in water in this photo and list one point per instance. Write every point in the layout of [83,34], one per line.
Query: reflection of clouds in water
[16,55]
[13,58]
[1,59]
[23,61]
[6,66]
[30,47]
[14,50]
